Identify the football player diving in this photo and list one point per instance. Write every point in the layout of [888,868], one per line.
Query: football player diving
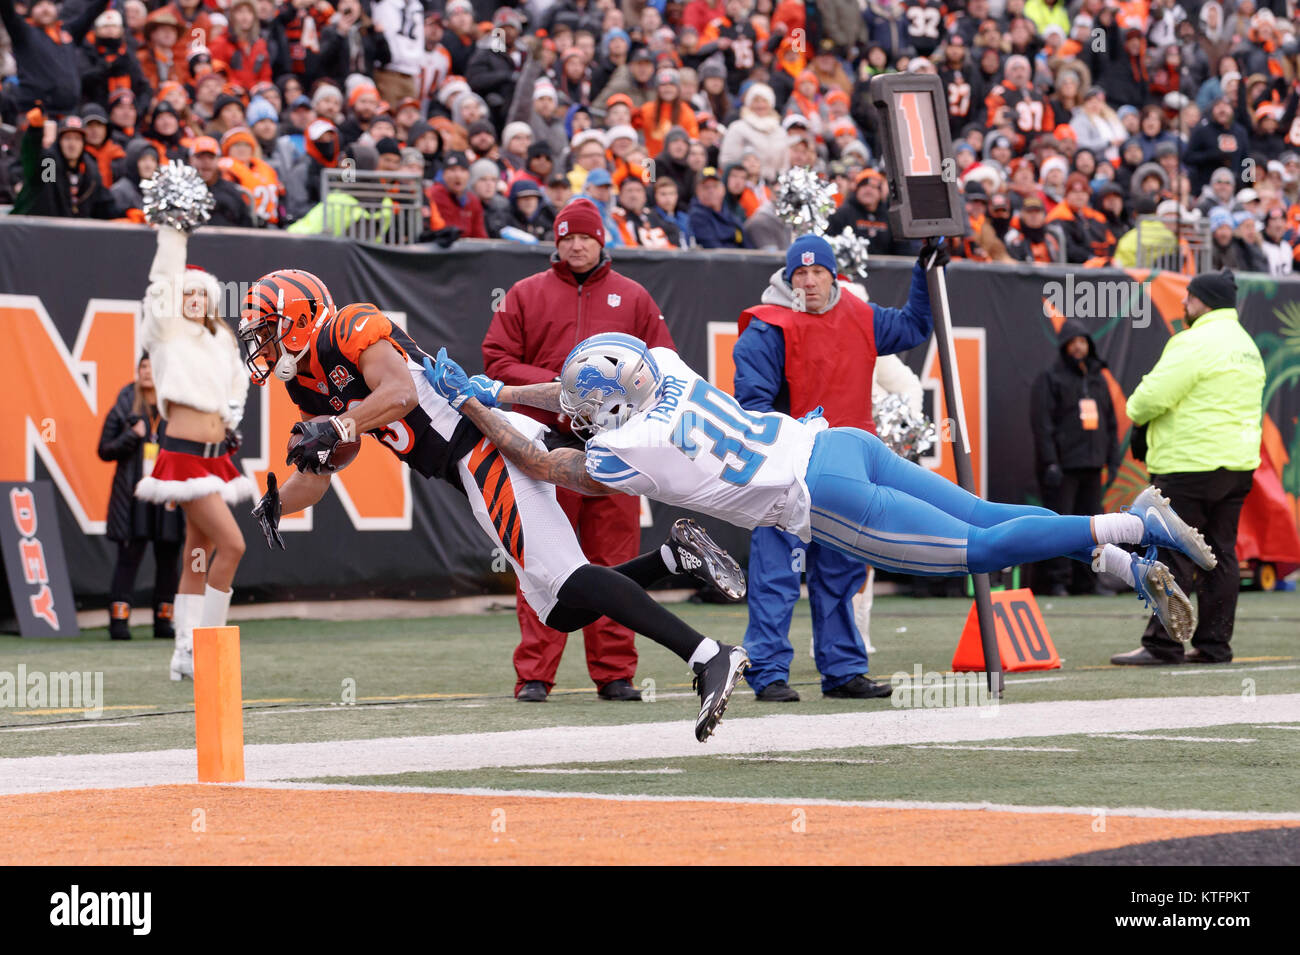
[657,428]
[355,366]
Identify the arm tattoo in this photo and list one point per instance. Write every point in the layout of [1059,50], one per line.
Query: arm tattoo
[545,396]
[565,467]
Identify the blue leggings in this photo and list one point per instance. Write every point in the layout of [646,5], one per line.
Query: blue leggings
[870,503]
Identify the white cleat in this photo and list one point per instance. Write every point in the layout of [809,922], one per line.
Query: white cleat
[1164,528]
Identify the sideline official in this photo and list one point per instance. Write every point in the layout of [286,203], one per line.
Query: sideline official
[1203,404]
[543,317]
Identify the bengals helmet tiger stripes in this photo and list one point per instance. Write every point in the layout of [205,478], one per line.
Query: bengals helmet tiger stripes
[281,312]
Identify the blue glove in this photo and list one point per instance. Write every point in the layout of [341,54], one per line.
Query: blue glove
[815,413]
[450,382]
[485,389]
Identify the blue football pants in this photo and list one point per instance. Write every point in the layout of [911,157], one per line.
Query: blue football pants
[871,504]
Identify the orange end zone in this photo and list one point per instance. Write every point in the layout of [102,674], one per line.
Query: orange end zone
[220,825]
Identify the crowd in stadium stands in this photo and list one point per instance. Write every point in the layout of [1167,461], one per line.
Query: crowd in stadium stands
[1069,119]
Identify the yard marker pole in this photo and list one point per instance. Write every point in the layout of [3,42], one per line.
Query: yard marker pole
[938,285]
[218,705]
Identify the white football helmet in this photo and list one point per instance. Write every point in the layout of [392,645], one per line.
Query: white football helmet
[606,380]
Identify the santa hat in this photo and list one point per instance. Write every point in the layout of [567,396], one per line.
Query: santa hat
[202,280]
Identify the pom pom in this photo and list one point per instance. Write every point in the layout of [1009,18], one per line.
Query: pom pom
[177,196]
[851,251]
[907,433]
[804,200]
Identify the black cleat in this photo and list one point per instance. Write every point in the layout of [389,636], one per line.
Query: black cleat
[715,681]
[778,691]
[620,691]
[860,688]
[534,691]
[696,554]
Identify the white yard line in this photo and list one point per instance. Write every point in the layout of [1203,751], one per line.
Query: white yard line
[1139,812]
[1175,739]
[1198,670]
[667,771]
[667,740]
[66,726]
[998,749]
[803,759]
[1291,726]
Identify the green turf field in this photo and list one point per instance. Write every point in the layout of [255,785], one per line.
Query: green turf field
[452,675]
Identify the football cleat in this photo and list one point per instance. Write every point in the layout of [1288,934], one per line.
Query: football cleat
[1164,528]
[696,554]
[1159,591]
[715,681]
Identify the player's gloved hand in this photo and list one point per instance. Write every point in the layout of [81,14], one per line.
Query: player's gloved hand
[267,513]
[1053,476]
[450,382]
[318,440]
[936,249]
[815,413]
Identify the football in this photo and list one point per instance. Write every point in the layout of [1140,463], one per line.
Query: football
[344,453]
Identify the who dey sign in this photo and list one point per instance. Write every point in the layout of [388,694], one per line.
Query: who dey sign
[34,564]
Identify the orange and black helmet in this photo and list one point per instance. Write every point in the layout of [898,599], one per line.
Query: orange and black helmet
[281,312]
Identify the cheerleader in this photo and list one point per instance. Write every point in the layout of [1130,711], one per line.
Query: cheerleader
[201,386]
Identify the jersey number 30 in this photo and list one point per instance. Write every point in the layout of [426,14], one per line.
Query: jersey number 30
[713,409]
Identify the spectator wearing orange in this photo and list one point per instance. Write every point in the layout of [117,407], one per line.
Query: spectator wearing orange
[806,101]
[828,69]
[619,143]
[363,106]
[73,190]
[1029,239]
[157,57]
[1088,239]
[243,46]
[45,52]
[637,223]
[100,147]
[108,63]
[666,110]
[191,16]
[122,116]
[242,162]
[165,132]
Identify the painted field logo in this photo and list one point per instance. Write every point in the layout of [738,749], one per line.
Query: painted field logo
[74,907]
[36,690]
[1087,298]
[931,690]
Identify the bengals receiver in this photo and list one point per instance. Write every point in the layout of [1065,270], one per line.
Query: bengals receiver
[356,366]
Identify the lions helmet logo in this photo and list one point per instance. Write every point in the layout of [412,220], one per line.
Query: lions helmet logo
[807,258]
[562,228]
[591,379]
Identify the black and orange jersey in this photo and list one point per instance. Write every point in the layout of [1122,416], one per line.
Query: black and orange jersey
[964,90]
[925,25]
[431,438]
[1026,109]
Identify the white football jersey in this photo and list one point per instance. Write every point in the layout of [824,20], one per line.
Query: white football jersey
[697,448]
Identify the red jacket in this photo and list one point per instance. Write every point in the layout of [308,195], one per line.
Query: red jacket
[545,315]
[468,218]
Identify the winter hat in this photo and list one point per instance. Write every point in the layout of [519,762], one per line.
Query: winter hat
[1218,217]
[524,187]
[587,136]
[619,132]
[482,126]
[1215,289]
[760,90]
[483,169]
[543,87]
[258,110]
[809,250]
[322,91]
[540,149]
[580,216]
[224,100]
[1053,162]
[515,129]
[239,134]
[360,90]
[388,146]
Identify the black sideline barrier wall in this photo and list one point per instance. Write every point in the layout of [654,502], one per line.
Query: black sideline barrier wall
[74,272]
